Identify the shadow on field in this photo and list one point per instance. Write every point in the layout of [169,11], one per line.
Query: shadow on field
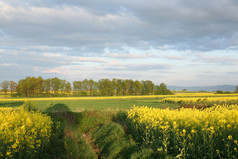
[11,104]
[61,112]
[61,115]
[57,108]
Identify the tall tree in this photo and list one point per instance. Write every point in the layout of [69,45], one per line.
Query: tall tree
[147,87]
[131,87]
[91,86]
[162,89]
[106,87]
[68,87]
[62,86]
[47,86]
[5,84]
[77,87]
[137,87]
[38,86]
[118,87]
[55,84]
[125,86]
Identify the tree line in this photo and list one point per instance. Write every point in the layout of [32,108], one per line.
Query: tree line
[39,87]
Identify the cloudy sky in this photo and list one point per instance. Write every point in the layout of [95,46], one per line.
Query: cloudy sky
[179,42]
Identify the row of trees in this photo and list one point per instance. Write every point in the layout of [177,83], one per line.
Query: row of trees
[38,87]
[118,87]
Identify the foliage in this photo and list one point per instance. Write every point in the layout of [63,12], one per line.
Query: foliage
[68,142]
[30,87]
[38,87]
[30,106]
[88,120]
[147,87]
[187,133]
[23,134]
[78,148]
[162,89]
[221,92]
[112,142]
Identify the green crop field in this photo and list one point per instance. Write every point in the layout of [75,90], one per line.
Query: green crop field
[104,104]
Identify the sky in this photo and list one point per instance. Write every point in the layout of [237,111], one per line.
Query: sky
[178,42]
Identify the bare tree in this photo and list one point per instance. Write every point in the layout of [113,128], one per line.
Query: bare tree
[13,86]
[5,85]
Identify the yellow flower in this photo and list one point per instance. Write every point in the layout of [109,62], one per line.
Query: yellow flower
[14,146]
[8,153]
[229,137]
[184,131]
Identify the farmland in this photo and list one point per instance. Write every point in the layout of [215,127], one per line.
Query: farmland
[149,126]
[118,79]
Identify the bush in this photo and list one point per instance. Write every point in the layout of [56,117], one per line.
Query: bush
[23,134]
[30,106]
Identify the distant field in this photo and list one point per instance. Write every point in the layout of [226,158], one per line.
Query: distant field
[78,104]
[81,105]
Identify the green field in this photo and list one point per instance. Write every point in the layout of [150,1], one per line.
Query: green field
[82,105]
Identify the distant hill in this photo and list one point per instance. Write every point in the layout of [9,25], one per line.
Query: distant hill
[230,88]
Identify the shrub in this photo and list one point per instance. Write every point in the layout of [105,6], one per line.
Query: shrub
[29,106]
[23,134]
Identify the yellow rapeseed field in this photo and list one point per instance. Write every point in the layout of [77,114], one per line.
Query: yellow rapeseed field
[22,133]
[223,99]
[178,96]
[187,133]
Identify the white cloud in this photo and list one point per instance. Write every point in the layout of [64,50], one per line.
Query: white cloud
[50,55]
[52,71]
[8,64]
[130,55]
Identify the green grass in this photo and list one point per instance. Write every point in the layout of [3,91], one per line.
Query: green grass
[106,104]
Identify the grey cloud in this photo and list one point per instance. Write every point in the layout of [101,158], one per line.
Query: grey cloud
[213,59]
[90,26]
[232,73]
[67,35]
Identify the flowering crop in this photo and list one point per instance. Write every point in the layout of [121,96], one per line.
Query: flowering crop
[193,100]
[23,134]
[84,98]
[187,133]
[182,95]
